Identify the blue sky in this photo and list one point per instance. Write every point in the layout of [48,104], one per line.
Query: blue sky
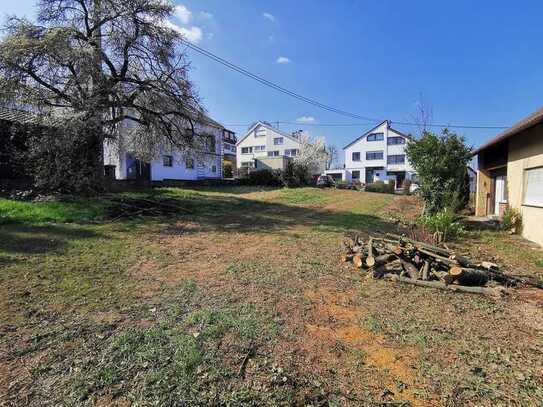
[476,63]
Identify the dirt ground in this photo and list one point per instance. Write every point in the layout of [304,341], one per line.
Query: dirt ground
[250,288]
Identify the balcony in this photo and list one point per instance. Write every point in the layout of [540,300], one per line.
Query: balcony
[229,137]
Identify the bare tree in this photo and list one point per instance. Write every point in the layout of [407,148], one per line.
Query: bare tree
[423,114]
[332,151]
[101,62]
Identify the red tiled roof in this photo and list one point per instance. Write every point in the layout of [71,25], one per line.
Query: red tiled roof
[530,121]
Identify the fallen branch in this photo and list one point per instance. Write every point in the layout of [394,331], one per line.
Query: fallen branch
[250,352]
[449,287]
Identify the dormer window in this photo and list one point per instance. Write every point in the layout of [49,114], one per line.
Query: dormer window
[376,137]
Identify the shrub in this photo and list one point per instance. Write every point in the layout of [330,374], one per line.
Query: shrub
[269,178]
[381,186]
[440,162]
[227,171]
[512,220]
[443,224]
[296,175]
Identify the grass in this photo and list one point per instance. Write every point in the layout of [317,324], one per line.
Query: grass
[57,212]
[239,299]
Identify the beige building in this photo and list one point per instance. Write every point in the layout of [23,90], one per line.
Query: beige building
[510,174]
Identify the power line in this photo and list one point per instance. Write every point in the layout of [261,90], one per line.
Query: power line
[362,124]
[314,102]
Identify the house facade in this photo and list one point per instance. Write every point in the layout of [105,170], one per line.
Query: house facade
[265,147]
[510,174]
[377,155]
[204,162]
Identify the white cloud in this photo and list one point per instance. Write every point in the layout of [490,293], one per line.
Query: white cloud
[305,119]
[193,34]
[283,60]
[269,16]
[183,13]
[206,15]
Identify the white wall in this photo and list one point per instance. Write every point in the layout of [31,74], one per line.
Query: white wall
[262,135]
[363,146]
[115,154]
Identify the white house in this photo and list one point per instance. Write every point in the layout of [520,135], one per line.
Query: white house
[171,164]
[377,155]
[265,147]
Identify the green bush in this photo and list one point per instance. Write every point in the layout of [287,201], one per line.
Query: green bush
[381,186]
[269,178]
[443,224]
[512,220]
[296,175]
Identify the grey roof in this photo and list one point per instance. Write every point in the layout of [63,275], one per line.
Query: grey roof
[524,124]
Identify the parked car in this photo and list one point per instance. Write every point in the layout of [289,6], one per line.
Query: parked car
[325,181]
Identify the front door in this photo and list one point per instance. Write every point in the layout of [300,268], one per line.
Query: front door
[137,169]
[499,194]
[369,175]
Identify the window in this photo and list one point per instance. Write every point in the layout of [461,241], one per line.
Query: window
[277,141]
[189,163]
[375,137]
[291,152]
[213,168]
[259,148]
[246,150]
[396,159]
[249,164]
[374,155]
[260,133]
[273,153]
[395,140]
[356,156]
[533,187]
[167,161]
[210,144]
[356,174]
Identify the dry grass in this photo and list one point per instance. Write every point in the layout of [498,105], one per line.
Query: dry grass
[165,311]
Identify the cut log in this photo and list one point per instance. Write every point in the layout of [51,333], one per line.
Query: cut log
[494,291]
[398,251]
[358,261]
[435,249]
[370,260]
[462,261]
[453,275]
[426,270]
[437,257]
[410,269]
[473,277]
[465,276]
[383,259]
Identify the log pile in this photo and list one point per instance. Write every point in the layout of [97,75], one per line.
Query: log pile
[399,258]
